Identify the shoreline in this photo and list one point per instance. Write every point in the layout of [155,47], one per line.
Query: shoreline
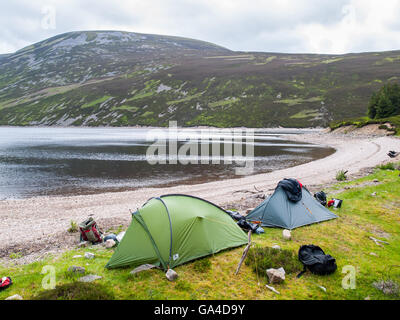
[37,226]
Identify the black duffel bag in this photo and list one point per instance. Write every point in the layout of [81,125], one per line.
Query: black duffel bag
[314,259]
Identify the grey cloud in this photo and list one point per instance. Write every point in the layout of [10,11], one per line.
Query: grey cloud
[238,25]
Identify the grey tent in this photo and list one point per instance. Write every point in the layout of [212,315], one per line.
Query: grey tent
[278,211]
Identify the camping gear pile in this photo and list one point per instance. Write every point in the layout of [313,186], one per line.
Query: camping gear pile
[242,223]
[321,198]
[336,203]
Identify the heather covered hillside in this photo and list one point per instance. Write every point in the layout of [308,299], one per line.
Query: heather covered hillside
[110,78]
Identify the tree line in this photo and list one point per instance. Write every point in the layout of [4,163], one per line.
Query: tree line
[385,103]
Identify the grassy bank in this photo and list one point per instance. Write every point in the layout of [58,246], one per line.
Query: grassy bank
[347,239]
[361,122]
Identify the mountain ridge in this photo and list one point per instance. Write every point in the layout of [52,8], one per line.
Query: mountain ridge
[118,78]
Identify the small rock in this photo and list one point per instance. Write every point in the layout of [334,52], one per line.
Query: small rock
[171,275]
[76,269]
[276,275]
[374,194]
[89,278]
[368,298]
[276,247]
[373,254]
[77,256]
[110,243]
[376,180]
[83,244]
[15,297]
[286,234]
[143,267]
[347,188]
[89,255]
[388,287]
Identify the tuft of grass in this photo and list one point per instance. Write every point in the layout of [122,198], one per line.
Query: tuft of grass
[341,175]
[183,285]
[262,258]
[202,265]
[73,276]
[388,166]
[16,255]
[76,291]
[73,227]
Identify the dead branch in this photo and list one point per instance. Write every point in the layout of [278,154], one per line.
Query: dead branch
[245,191]
[377,241]
[244,255]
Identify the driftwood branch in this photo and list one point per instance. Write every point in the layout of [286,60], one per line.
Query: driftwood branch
[244,255]
[245,191]
[249,191]
[272,289]
[378,242]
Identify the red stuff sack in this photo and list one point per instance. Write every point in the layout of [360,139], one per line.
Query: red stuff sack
[5,283]
[331,203]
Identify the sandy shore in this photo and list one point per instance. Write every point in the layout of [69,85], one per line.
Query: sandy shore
[38,225]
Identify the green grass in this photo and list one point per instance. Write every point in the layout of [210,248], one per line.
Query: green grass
[341,175]
[263,258]
[222,103]
[126,108]
[363,121]
[295,101]
[76,291]
[388,166]
[95,102]
[387,60]
[148,91]
[73,227]
[331,60]
[202,265]
[267,60]
[345,238]
[147,114]
[141,96]
[188,98]
[305,114]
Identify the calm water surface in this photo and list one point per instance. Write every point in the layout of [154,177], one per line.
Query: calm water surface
[66,161]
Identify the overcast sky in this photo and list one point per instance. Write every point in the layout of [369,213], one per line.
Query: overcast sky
[309,26]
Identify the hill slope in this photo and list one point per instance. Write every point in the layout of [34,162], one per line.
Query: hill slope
[118,78]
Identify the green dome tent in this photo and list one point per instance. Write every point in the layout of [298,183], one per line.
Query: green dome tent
[278,211]
[173,229]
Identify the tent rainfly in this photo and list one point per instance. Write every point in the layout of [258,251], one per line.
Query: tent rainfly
[173,229]
[278,211]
